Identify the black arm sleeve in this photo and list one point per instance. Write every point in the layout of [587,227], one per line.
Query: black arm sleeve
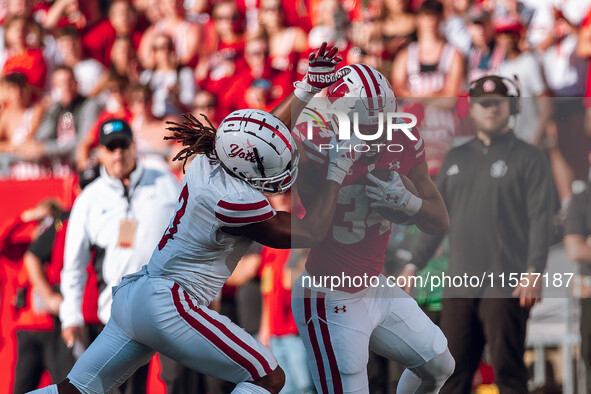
[43,245]
[540,210]
[575,218]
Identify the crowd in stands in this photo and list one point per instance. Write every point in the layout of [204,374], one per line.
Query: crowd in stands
[66,66]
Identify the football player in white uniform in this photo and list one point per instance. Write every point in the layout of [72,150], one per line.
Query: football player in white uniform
[163,307]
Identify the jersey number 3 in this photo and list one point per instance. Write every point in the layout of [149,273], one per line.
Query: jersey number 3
[169,234]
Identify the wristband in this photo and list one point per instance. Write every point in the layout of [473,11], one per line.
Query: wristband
[413,205]
[304,91]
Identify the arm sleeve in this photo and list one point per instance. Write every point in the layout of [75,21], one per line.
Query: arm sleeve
[76,257]
[575,218]
[540,209]
[242,209]
[424,249]
[47,129]
[88,115]
[43,245]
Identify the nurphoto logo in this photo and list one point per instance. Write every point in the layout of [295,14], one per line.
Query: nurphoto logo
[341,122]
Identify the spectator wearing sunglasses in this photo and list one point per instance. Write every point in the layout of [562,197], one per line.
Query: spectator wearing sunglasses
[110,217]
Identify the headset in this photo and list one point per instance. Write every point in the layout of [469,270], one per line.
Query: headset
[513,91]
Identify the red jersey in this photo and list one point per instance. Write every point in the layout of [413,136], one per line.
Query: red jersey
[98,41]
[356,241]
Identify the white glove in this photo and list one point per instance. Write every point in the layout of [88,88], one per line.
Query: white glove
[392,194]
[320,74]
[342,156]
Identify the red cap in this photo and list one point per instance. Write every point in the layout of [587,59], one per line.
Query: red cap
[508,24]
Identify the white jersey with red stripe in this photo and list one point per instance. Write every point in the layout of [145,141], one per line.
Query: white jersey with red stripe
[193,251]
[356,241]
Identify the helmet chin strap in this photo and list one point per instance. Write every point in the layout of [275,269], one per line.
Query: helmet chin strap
[260,166]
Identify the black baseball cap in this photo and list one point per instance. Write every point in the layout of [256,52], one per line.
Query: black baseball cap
[114,129]
[491,85]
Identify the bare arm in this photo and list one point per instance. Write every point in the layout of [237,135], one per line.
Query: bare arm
[577,249]
[34,267]
[287,231]
[446,97]
[144,52]
[193,41]
[245,270]
[584,43]
[399,75]
[432,218]
[309,180]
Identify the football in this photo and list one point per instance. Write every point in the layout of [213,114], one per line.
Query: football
[397,217]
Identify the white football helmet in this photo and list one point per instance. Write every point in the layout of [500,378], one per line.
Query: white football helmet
[257,147]
[364,91]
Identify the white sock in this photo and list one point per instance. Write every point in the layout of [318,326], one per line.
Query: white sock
[408,383]
[249,388]
[46,390]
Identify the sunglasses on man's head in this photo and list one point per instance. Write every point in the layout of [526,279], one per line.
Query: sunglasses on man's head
[114,145]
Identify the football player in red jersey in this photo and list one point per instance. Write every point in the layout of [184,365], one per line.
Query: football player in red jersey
[339,320]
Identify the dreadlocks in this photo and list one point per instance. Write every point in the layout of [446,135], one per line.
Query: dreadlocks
[194,135]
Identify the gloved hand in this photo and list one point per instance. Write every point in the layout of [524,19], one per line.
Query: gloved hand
[342,155]
[320,74]
[393,194]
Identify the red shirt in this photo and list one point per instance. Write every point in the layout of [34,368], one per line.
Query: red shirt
[224,64]
[276,291]
[29,63]
[98,41]
[234,97]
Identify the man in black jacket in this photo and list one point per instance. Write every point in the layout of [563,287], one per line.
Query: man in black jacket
[500,197]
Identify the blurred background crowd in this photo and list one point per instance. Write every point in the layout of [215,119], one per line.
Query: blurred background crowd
[66,66]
